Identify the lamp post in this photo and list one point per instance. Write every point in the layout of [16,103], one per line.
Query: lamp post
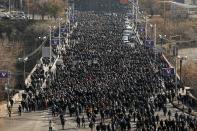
[9,6]
[181,58]
[69,26]
[154,31]
[50,38]
[50,53]
[28,9]
[24,66]
[60,19]
[42,38]
[8,93]
[146,22]
[162,38]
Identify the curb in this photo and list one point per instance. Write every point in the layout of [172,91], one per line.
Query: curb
[185,109]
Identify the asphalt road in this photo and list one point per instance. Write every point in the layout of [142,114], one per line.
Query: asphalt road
[39,121]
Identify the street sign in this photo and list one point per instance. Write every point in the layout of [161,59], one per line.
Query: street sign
[4,74]
[168,71]
[149,43]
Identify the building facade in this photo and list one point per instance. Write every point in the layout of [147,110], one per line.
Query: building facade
[190,2]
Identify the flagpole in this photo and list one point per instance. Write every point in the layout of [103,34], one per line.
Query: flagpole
[50,28]
[155,40]
[176,75]
[59,31]
[69,18]
[9,6]
[136,10]
[146,28]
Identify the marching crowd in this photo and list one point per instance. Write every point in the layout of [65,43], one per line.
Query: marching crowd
[107,83]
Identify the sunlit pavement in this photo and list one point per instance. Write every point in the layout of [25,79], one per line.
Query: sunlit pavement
[39,121]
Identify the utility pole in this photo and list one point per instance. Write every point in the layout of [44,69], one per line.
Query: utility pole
[9,6]
[176,87]
[21,5]
[136,8]
[146,27]
[28,9]
[59,31]
[155,34]
[155,39]
[133,9]
[69,18]
[164,13]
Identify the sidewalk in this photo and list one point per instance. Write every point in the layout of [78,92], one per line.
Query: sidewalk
[183,108]
[3,106]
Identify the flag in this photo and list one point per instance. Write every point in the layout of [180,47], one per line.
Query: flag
[149,43]
[56,41]
[168,71]
[130,15]
[73,18]
[63,30]
[141,29]
[4,74]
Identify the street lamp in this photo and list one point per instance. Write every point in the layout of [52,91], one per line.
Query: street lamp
[60,19]
[8,93]
[24,60]
[162,39]
[28,9]
[181,58]
[181,61]
[50,38]
[42,38]
[9,6]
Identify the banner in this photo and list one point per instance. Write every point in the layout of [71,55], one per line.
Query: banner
[56,41]
[141,29]
[130,15]
[63,30]
[4,74]
[73,18]
[149,43]
[168,71]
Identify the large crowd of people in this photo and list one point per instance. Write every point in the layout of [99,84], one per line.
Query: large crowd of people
[110,82]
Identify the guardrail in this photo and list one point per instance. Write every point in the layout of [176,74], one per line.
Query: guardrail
[191,98]
[28,79]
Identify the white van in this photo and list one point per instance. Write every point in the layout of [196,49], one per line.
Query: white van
[125,39]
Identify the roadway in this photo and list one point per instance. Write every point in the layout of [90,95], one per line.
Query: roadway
[39,120]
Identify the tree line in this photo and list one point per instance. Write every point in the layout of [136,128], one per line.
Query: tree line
[51,8]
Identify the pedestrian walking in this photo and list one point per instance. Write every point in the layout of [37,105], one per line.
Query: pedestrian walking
[91,125]
[19,110]
[62,120]
[83,122]
[9,110]
[78,121]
